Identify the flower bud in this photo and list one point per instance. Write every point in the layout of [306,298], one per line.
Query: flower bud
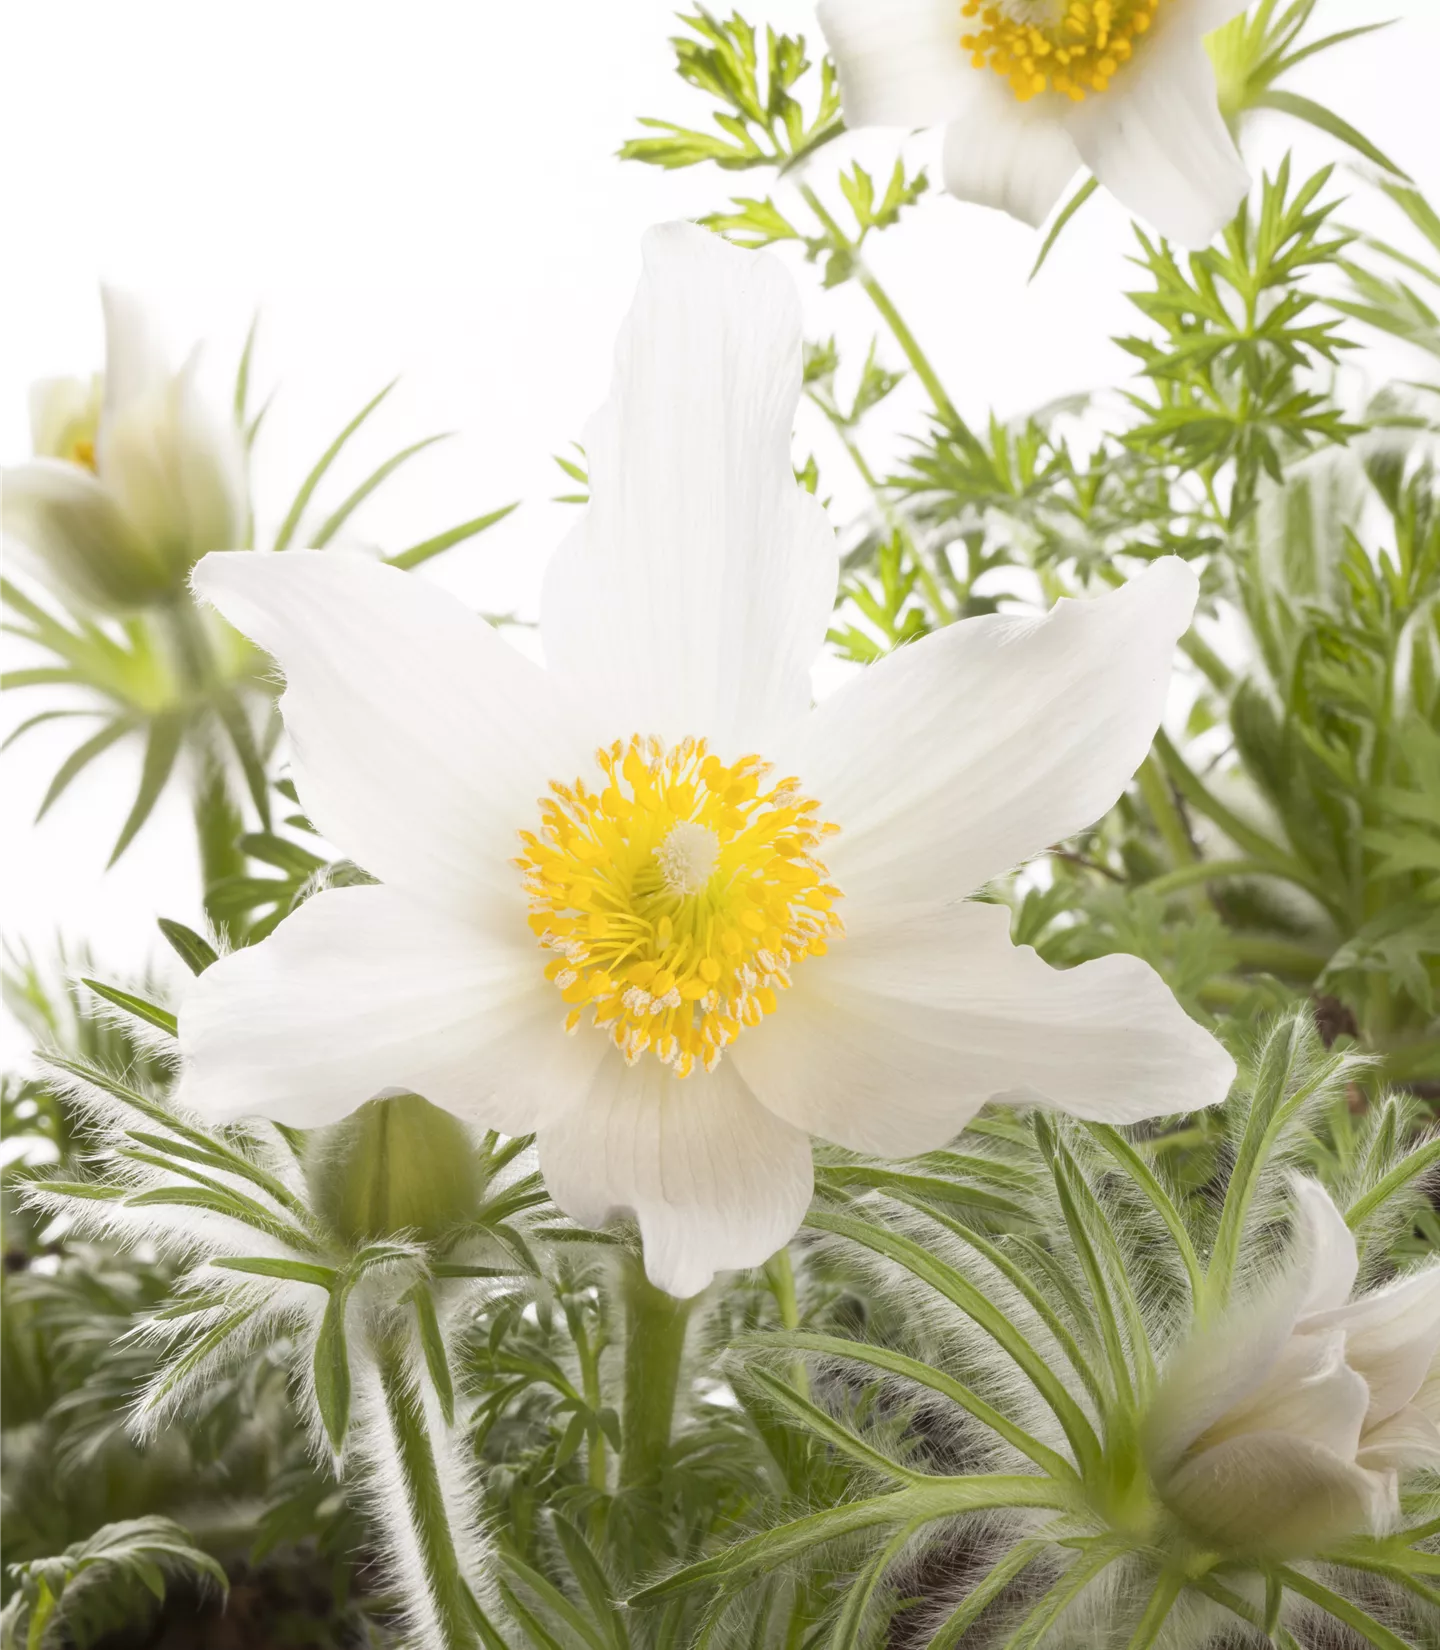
[1284,1427]
[397,1165]
[127,491]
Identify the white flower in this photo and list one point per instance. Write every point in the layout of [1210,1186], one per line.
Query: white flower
[1031,90]
[681,887]
[1284,1428]
[127,491]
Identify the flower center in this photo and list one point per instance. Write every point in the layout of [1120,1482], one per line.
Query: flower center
[1070,46]
[678,897]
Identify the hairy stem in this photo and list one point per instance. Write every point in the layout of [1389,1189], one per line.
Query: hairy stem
[655,1325]
[447,1614]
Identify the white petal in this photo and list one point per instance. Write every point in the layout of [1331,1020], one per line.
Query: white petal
[695,595]
[77,536]
[1014,156]
[1325,1245]
[177,470]
[135,359]
[60,410]
[900,62]
[1157,142]
[363,990]
[958,757]
[1407,1440]
[421,739]
[1310,1393]
[892,1041]
[1282,1496]
[714,1180]
[1392,1337]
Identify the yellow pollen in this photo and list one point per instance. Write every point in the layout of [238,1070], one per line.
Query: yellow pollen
[677,895]
[1086,41]
[82,451]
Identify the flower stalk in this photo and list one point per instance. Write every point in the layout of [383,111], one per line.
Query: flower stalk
[655,1329]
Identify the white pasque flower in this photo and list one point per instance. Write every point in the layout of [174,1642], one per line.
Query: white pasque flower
[134,477]
[1029,91]
[1285,1427]
[672,899]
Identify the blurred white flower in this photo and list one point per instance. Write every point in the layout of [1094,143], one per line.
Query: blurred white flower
[129,487]
[1284,1428]
[679,892]
[1029,91]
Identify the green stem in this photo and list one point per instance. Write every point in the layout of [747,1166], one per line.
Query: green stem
[780,1275]
[1155,788]
[1277,956]
[1167,1589]
[883,302]
[457,1614]
[1212,870]
[1246,837]
[655,1326]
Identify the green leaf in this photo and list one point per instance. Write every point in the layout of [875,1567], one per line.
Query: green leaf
[242,374]
[152,1013]
[337,519]
[293,1271]
[1068,211]
[196,953]
[326,459]
[332,1368]
[586,1569]
[1326,120]
[161,748]
[427,548]
[80,758]
[432,1344]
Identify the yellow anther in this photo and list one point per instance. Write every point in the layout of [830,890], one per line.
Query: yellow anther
[1089,41]
[679,893]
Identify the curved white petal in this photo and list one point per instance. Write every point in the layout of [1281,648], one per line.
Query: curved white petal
[1326,1248]
[958,757]
[695,595]
[421,739]
[1406,1440]
[900,62]
[1310,1393]
[135,358]
[363,990]
[1272,1493]
[1157,141]
[177,470]
[1016,157]
[1392,1337]
[713,1179]
[892,1041]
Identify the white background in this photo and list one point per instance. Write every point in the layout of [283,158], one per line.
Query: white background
[431,189]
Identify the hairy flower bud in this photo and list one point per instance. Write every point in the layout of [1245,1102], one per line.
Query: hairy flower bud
[397,1165]
[1286,1426]
[129,488]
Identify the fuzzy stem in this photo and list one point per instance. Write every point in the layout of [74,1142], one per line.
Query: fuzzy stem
[655,1325]
[456,1613]
[780,1275]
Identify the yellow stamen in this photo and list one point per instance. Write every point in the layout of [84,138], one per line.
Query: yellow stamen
[1089,40]
[678,897]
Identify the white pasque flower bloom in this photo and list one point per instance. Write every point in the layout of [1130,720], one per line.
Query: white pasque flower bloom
[1029,91]
[1285,1427]
[134,477]
[672,899]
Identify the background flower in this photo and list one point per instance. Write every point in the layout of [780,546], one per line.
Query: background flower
[119,506]
[1029,91]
